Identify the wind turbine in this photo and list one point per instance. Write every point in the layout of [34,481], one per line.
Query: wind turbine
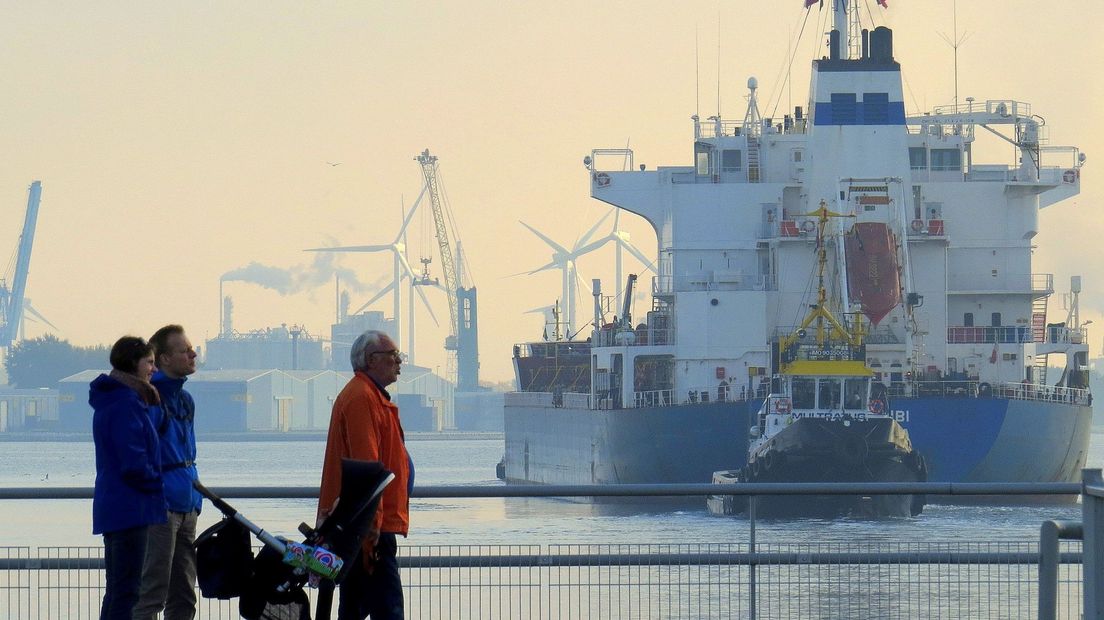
[620,239]
[565,260]
[401,270]
[28,309]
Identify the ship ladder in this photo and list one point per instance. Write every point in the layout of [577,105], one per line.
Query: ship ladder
[753,159]
[1039,335]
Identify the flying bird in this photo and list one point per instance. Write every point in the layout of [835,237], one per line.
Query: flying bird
[332,163]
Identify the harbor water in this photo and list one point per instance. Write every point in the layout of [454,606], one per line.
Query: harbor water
[496,521]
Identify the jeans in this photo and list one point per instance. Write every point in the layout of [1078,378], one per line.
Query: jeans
[124,554]
[379,594]
[169,575]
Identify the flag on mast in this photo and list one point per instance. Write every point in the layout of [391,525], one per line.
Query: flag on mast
[884,3]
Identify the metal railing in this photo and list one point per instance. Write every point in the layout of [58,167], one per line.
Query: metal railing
[928,579]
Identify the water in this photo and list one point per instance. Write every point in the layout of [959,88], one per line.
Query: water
[510,521]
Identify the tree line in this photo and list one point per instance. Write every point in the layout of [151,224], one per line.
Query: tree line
[42,362]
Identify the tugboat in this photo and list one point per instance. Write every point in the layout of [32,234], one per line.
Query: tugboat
[825,419]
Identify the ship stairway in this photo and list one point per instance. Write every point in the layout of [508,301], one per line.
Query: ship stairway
[1038,335]
[753,159]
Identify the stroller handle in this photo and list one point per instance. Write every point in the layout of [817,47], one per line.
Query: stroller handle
[219,503]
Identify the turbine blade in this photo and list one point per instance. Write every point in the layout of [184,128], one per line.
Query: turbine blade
[425,302]
[587,249]
[555,246]
[553,264]
[586,238]
[410,214]
[379,295]
[35,313]
[649,265]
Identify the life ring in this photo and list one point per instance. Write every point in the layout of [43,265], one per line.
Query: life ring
[808,226]
[782,405]
[1069,176]
[601,179]
[918,225]
[876,406]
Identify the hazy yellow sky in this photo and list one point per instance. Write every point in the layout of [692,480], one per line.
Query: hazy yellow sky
[177,141]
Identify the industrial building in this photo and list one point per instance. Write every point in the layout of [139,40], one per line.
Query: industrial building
[290,348]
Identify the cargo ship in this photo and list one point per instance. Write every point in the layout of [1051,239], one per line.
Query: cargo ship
[966,330]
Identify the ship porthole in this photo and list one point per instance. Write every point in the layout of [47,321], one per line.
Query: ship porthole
[713,302]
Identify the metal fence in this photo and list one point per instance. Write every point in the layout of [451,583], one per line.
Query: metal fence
[999,580]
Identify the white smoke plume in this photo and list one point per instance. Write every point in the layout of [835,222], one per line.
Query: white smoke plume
[300,278]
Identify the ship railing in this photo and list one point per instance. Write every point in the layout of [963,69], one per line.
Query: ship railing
[1000,281]
[1032,391]
[1016,334]
[713,281]
[638,337]
[711,394]
[973,388]
[714,127]
[749,574]
[611,160]
[550,349]
[1061,158]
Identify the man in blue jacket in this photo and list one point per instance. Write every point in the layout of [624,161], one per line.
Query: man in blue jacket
[169,574]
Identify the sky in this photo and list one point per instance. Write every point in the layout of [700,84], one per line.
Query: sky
[180,141]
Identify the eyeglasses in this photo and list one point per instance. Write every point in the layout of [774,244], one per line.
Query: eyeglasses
[394,353]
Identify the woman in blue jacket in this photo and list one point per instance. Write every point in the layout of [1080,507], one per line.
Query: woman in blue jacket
[129,494]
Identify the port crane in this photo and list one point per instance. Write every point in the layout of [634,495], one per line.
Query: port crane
[13,297]
[463,339]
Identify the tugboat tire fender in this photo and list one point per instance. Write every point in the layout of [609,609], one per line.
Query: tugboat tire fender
[768,461]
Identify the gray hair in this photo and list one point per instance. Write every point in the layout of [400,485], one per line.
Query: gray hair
[370,338]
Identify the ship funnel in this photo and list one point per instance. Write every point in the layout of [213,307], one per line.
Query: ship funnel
[881,44]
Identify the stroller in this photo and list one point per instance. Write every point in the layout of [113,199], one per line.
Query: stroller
[270,586]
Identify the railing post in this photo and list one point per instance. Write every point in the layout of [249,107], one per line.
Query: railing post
[1092,518]
[1049,535]
[1048,571]
[752,500]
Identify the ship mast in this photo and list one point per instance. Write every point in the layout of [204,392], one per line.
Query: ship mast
[828,327]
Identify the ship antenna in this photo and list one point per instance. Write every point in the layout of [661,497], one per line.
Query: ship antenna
[718,70]
[697,75]
[955,43]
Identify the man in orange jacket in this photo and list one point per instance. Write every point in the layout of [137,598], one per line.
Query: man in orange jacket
[365,425]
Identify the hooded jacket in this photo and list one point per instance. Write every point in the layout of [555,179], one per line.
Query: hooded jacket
[129,491]
[174,422]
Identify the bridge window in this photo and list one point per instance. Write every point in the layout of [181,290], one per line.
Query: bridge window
[996,319]
[804,393]
[918,158]
[946,160]
[854,394]
[731,160]
[829,396]
[968,319]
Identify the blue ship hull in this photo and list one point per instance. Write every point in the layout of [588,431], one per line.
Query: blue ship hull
[962,439]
